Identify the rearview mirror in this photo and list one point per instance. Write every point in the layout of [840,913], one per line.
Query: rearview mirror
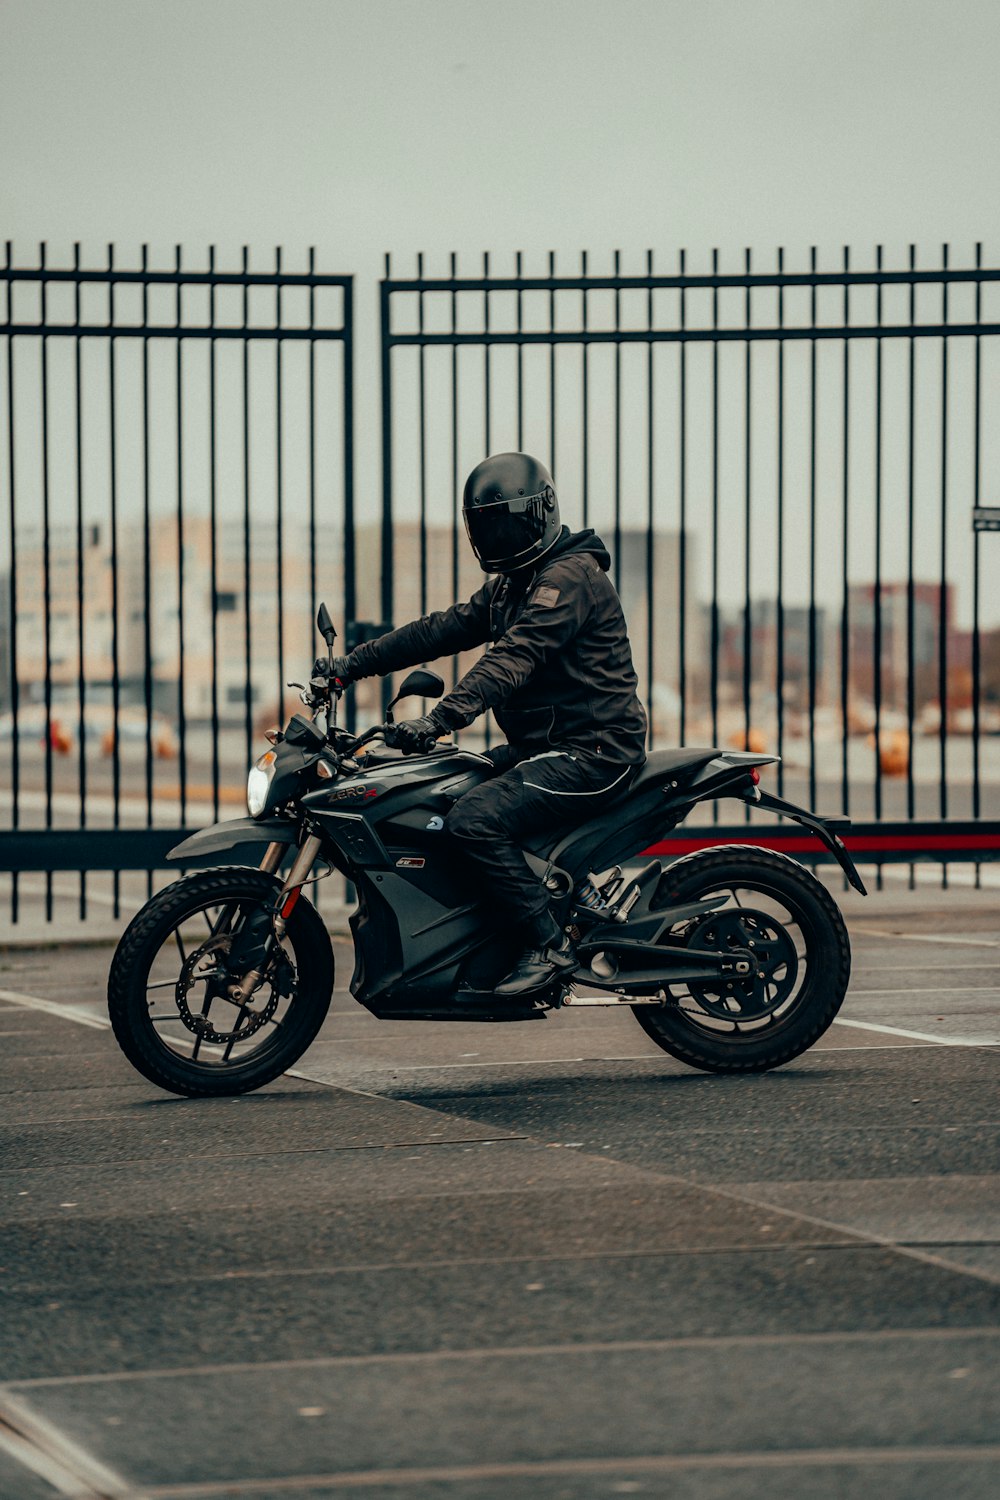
[418,684]
[325,625]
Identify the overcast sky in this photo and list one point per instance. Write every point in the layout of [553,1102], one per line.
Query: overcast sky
[362,126]
[365,125]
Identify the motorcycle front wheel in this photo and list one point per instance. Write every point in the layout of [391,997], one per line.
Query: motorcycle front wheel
[777,910]
[169,989]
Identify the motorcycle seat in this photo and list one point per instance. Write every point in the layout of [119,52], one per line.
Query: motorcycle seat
[569,848]
[663,766]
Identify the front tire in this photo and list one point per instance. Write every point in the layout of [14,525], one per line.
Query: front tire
[794,918]
[168,1004]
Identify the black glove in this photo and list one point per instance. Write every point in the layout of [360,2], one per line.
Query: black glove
[414,735]
[339,670]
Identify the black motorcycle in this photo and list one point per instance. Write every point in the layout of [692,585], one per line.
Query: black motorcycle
[734,959]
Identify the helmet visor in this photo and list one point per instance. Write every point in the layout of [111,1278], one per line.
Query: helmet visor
[506,530]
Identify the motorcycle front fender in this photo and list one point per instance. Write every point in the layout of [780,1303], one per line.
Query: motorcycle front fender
[232,832]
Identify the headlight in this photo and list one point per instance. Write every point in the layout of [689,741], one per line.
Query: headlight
[259,784]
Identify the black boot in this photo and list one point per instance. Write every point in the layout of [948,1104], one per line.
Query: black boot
[549,951]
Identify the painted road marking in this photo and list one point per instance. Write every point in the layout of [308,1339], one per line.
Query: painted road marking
[36,1444]
[55,1008]
[101,1023]
[920,1036]
[925,937]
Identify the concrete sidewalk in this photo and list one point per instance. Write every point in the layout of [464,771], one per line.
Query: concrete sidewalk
[540,1261]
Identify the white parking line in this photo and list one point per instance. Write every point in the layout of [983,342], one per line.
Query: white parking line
[101,1023]
[36,1444]
[924,937]
[54,1008]
[919,1036]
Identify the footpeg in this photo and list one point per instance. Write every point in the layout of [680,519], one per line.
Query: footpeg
[609,998]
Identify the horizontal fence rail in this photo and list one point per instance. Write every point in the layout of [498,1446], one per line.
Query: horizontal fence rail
[947,841]
[178,475]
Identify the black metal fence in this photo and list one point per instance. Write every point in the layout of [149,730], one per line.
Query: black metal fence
[176,440]
[784,463]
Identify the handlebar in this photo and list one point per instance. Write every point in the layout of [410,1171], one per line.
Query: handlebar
[387,733]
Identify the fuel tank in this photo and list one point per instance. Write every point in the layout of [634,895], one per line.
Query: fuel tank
[391,812]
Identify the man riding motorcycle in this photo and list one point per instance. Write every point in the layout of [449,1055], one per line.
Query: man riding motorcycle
[558,677]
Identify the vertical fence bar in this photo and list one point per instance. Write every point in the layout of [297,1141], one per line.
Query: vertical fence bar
[747,524]
[812,535]
[350,550]
[650,511]
[46,580]
[682,539]
[213,510]
[455,502]
[113,497]
[779,618]
[713,665]
[422,394]
[15,695]
[910,550]
[387,582]
[976,493]
[81,658]
[585,416]
[845,627]
[486,398]
[181,664]
[714,617]
[553,456]
[618,427]
[279,482]
[147,631]
[520,355]
[943,598]
[486,355]
[247,566]
[312,447]
[877,588]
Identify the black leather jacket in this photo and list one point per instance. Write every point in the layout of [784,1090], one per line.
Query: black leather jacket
[559,673]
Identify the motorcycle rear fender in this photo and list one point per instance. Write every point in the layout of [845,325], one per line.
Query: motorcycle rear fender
[821,826]
[232,832]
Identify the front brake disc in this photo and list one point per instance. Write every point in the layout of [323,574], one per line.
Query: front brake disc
[198,969]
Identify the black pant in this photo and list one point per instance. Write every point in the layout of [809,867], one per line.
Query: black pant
[551,791]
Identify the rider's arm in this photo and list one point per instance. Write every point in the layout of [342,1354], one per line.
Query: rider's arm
[441,634]
[555,610]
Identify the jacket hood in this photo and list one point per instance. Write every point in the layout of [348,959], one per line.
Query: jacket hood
[577,541]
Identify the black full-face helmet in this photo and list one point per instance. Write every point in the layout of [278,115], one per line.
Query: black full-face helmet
[510,511]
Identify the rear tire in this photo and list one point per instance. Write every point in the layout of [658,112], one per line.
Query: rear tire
[158,924]
[698,1032]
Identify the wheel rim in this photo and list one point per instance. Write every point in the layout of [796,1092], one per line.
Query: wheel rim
[188,1005]
[776,930]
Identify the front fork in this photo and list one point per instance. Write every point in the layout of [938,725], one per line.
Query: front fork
[286,898]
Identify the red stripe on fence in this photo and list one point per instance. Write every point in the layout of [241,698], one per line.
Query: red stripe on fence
[912,843]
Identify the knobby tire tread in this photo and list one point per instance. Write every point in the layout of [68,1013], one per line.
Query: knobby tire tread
[801,1033]
[135,952]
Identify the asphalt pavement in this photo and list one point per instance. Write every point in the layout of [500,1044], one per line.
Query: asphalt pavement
[465,1262]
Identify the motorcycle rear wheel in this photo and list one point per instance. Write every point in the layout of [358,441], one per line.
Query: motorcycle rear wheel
[776,906]
[168,1006]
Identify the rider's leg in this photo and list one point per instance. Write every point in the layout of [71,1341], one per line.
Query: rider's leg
[491,822]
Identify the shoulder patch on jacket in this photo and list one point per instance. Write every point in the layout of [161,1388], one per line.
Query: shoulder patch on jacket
[546,596]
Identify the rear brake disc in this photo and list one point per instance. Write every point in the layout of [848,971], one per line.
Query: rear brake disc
[775,970]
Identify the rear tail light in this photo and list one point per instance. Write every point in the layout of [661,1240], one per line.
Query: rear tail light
[755,775]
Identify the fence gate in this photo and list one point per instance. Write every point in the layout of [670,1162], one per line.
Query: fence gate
[785,464]
[177,457]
